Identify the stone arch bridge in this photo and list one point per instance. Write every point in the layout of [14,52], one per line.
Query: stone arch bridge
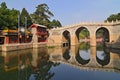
[57,36]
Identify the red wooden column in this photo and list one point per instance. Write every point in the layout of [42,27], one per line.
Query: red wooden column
[7,40]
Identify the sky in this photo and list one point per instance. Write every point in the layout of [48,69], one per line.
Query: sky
[70,12]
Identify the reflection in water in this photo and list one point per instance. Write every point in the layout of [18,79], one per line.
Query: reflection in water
[103,56]
[66,54]
[83,55]
[19,66]
[60,64]
[42,70]
[81,60]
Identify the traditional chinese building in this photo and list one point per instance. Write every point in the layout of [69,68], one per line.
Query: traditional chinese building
[25,36]
[36,37]
[13,36]
[40,33]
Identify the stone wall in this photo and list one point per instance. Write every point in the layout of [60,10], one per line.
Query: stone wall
[11,47]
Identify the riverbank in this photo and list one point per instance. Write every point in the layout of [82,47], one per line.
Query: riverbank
[11,47]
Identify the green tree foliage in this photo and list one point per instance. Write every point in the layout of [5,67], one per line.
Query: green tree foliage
[42,15]
[8,18]
[55,23]
[99,33]
[24,14]
[3,5]
[13,19]
[84,34]
[113,17]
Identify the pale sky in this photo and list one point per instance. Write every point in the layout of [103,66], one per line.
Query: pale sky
[71,11]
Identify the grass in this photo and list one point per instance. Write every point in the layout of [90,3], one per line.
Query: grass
[50,46]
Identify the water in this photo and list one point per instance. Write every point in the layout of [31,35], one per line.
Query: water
[80,62]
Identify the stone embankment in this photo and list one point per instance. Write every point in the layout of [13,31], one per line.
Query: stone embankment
[11,47]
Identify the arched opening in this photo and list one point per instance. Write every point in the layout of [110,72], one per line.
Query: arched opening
[82,35]
[103,54]
[66,38]
[102,35]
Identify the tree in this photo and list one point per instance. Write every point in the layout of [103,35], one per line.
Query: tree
[113,17]
[3,5]
[8,18]
[55,23]
[3,11]
[42,15]
[24,14]
[13,19]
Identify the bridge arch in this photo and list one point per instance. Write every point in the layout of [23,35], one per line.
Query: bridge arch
[79,30]
[104,33]
[66,37]
[112,30]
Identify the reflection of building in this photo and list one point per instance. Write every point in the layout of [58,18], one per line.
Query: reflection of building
[15,59]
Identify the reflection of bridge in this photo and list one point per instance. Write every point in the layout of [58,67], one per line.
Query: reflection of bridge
[91,64]
[66,56]
[92,68]
[58,35]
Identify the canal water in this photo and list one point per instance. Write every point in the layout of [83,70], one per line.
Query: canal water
[80,62]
